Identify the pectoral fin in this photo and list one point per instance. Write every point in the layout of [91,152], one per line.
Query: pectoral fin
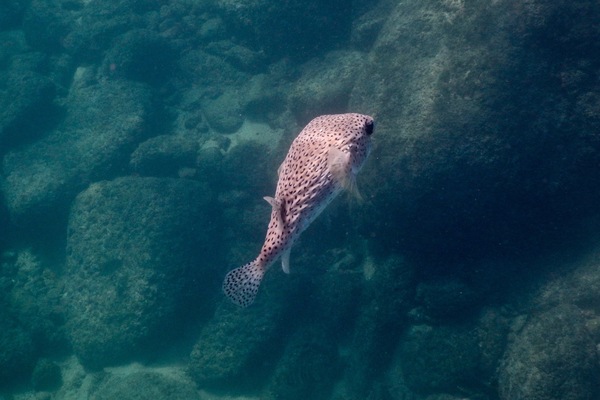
[341,169]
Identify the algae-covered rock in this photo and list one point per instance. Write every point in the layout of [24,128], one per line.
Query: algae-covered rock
[552,357]
[140,55]
[31,318]
[165,155]
[447,299]
[15,45]
[137,253]
[439,358]
[238,348]
[46,375]
[143,385]
[263,23]
[458,359]
[99,23]
[11,13]
[241,57]
[33,295]
[326,84]
[209,74]
[224,114]
[17,351]
[104,122]
[381,318]
[26,107]
[47,23]
[464,114]
[308,368]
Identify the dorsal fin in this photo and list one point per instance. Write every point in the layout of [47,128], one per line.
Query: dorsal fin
[278,207]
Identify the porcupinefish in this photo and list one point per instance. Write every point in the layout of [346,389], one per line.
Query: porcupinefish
[324,159]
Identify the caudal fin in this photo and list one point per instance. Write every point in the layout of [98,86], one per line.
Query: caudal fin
[241,284]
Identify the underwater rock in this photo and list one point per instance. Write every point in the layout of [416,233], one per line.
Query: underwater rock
[447,299]
[437,359]
[325,85]
[11,13]
[129,58]
[41,179]
[144,385]
[263,99]
[165,155]
[4,221]
[308,368]
[99,23]
[47,23]
[212,29]
[310,26]
[224,114]
[459,358]
[46,376]
[33,296]
[381,318]
[133,248]
[208,76]
[15,45]
[26,107]
[579,286]
[257,163]
[337,294]
[239,56]
[552,357]
[482,147]
[368,21]
[238,348]
[17,353]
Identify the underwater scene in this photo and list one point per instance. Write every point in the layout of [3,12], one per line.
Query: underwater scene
[431,171]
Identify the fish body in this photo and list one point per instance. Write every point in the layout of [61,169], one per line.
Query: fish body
[323,160]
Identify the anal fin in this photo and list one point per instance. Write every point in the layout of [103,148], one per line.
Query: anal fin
[285,261]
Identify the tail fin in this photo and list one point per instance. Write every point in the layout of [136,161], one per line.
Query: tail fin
[241,284]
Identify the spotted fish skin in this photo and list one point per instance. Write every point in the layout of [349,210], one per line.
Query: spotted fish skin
[323,160]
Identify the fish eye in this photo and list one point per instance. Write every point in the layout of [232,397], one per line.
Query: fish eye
[369,126]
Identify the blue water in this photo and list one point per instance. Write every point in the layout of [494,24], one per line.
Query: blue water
[138,139]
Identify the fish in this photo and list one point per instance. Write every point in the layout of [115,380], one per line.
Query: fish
[322,161]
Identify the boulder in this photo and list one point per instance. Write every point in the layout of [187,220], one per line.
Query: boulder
[296,29]
[26,107]
[238,349]
[165,155]
[138,260]
[104,123]
[17,354]
[224,113]
[145,384]
[130,55]
[485,135]
[46,376]
[308,368]
[325,85]
[552,357]
[11,13]
[99,22]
